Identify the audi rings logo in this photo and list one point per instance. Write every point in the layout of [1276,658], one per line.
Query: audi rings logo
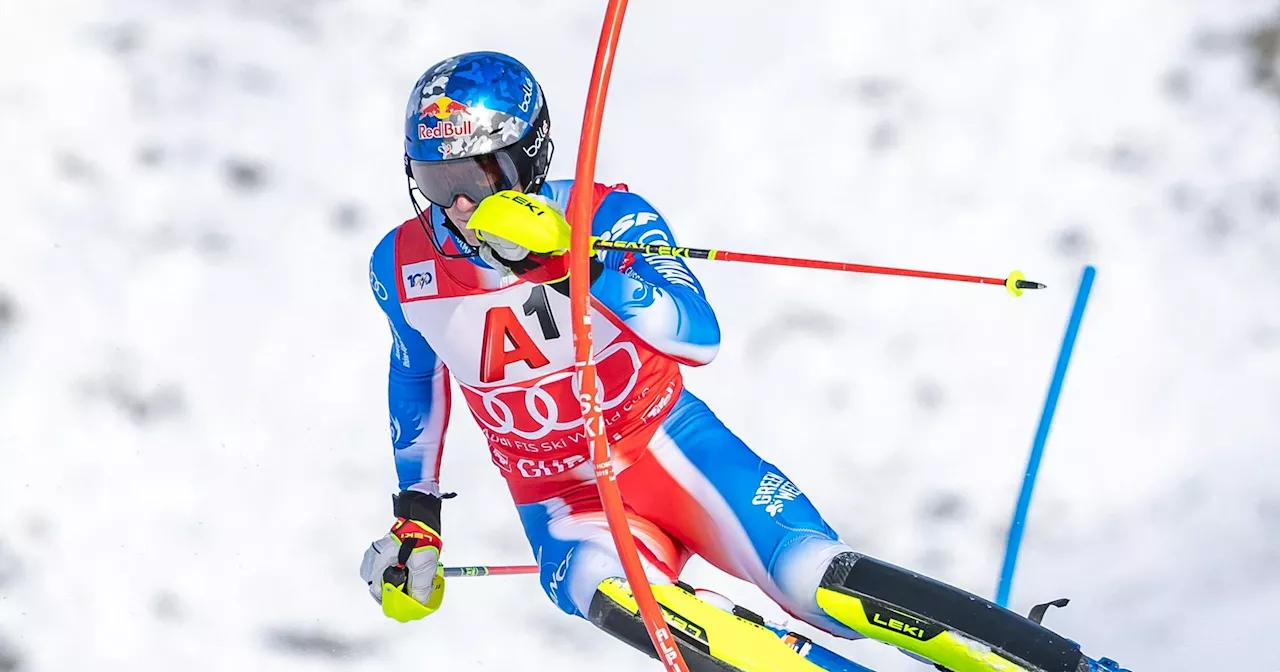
[534,412]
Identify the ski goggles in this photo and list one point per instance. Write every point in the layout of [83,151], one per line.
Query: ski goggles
[475,177]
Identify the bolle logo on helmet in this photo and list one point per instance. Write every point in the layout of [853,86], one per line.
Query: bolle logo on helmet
[536,147]
[444,129]
[527,90]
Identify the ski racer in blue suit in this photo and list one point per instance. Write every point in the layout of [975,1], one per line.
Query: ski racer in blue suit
[474,288]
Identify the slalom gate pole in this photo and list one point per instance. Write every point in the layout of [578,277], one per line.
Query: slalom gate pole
[581,204]
[1015,283]
[1042,435]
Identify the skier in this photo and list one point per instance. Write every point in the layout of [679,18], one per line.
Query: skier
[475,289]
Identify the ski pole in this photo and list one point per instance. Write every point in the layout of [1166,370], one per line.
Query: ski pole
[1015,283]
[490,570]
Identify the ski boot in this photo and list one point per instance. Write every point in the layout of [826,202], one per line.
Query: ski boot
[955,630]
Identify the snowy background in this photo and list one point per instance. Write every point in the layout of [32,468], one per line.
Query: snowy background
[193,445]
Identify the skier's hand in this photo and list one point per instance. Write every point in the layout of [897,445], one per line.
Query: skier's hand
[403,568]
[524,234]
[515,224]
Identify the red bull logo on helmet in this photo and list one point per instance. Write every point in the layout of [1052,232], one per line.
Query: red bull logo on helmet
[441,108]
[444,129]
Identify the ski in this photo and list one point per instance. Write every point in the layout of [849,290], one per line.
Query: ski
[954,629]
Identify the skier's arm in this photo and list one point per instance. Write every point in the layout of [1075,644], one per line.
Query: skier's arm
[417,384]
[658,297]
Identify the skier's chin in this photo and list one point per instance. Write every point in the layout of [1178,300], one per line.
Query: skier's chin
[460,222]
[467,234]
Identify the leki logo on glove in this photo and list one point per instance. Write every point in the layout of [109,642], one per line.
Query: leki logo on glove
[404,529]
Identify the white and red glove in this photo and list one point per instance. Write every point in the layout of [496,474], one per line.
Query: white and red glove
[403,568]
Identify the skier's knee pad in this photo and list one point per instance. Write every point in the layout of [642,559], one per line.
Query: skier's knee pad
[795,573]
[792,575]
[571,581]
[936,620]
[710,638]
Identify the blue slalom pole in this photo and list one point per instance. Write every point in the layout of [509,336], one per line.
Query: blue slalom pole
[1042,435]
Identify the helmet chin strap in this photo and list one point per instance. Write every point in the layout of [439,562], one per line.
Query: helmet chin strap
[457,232]
[449,225]
[535,185]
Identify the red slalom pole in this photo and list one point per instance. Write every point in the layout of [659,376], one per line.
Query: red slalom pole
[1015,283]
[588,387]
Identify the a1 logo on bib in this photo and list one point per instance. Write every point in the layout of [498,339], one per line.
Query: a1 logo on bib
[419,280]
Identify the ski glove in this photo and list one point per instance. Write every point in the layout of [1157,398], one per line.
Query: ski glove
[403,568]
[524,234]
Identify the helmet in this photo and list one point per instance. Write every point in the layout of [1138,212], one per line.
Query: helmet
[476,124]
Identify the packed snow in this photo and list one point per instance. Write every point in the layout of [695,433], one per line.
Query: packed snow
[193,442]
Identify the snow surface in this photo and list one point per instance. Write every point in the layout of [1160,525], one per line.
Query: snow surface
[193,445]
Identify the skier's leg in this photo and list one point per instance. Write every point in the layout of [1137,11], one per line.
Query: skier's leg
[575,551]
[582,575]
[746,517]
[739,512]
